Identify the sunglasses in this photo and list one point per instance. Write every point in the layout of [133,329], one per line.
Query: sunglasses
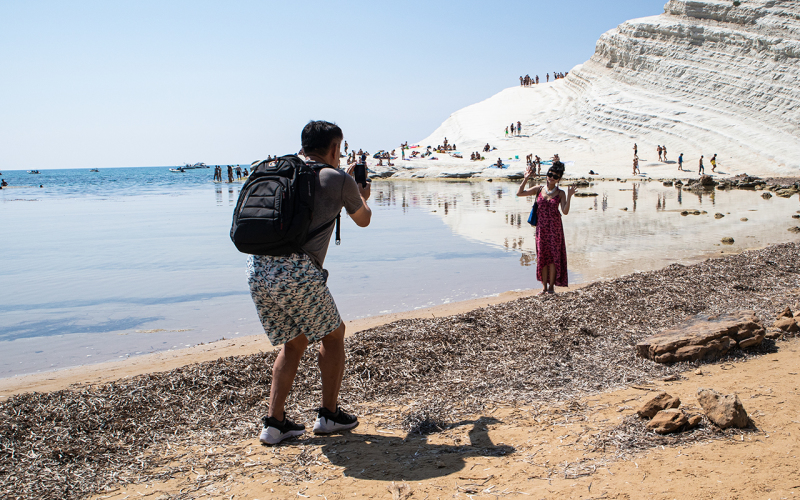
[553,176]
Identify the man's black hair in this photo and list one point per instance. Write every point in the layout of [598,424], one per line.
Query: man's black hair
[318,135]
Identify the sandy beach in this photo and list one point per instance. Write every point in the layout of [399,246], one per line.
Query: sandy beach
[532,396]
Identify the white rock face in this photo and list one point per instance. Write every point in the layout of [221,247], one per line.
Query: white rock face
[705,77]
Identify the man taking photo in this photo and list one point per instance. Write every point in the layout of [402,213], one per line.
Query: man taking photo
[292,298]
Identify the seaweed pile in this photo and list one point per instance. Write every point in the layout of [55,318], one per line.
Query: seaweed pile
[72,443]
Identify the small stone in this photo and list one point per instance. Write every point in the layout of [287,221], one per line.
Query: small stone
[684,213]
[773,334]
[724,410]
[625,209]
[667,421]
[693,422]
[718,215]
[743,219]
[795,216]
[795,229]
[698,372]
[788,325]
[727,240]
[661,401]
[766,196]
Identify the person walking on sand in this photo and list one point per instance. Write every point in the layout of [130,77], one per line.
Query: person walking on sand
[664,151]
[713,162]
[701,170]
[636,165]
[658,150]
[512,129]
[551,247]
[680,162]
[292,299]
[506,132]
[635,149]
[519,128]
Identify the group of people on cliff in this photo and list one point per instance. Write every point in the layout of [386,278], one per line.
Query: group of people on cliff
[528,80]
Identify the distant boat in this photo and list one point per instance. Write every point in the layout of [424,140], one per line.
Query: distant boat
[33,171]
[179,169]
[196,165]
[93,170]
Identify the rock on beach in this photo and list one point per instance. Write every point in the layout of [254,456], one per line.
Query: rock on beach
[703,337]
[724,410]
[667,421]
[661,401]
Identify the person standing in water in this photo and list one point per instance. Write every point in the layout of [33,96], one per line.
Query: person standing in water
[551,247]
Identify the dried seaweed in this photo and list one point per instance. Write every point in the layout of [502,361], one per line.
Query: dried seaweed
[553,348]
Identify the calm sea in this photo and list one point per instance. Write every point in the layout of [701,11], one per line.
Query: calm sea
[104,265]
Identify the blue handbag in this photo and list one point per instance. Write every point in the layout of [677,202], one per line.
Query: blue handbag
[534,216]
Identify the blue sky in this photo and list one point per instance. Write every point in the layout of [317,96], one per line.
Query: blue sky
[109,84]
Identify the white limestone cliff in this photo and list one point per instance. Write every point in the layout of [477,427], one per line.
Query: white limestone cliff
[704,77]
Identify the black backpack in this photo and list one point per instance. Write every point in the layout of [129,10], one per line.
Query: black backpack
[273,213]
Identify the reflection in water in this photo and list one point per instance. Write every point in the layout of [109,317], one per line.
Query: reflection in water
[600,243]
[218,193]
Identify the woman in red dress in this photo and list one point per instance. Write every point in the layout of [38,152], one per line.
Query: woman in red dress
[551,249]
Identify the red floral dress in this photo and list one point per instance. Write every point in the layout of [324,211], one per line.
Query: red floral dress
[550,245]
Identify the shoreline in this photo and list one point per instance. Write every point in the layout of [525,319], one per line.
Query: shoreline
[108,371]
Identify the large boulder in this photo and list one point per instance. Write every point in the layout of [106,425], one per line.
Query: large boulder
[703,337]
[667,421]
[724,410]
[661,401]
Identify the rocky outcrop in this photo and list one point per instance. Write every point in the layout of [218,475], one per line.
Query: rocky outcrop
[724,410]
[703,337]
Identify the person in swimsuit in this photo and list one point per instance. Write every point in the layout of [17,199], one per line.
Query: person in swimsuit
[700,168]
[714,163]
[519,128]
[664,151]
[636,165]
[635,149]
[658,150]
[551,248]
[680,162]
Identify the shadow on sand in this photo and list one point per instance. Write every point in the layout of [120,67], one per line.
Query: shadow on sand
[412,458]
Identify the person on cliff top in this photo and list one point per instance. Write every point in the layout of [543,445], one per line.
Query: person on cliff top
[714,163]
[551,247]
[700,169]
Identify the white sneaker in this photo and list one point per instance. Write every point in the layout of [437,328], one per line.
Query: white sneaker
[328,422]
[275,431]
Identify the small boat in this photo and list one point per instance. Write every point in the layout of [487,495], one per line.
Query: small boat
[93,170]
[33,171]
[179,169]
[194,166]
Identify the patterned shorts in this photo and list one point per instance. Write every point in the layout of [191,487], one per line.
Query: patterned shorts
[291,298]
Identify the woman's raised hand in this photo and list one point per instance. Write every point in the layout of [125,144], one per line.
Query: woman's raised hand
[571,190]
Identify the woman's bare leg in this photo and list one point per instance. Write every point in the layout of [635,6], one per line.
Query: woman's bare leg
[551,277]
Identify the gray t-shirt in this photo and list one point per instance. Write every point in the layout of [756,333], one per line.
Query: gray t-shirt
[335,189]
